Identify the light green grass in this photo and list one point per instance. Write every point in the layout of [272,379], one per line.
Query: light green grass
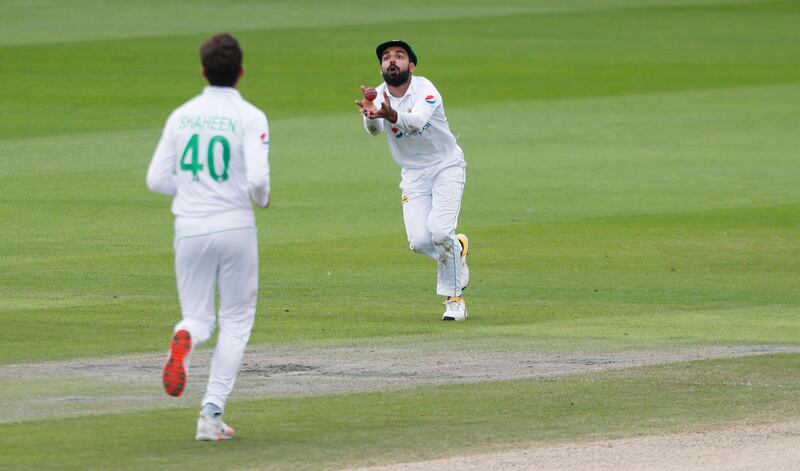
[671,226]
[632,184]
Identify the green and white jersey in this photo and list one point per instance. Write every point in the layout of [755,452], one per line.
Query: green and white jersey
[212,157]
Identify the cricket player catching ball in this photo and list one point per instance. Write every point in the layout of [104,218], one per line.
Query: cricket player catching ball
[213,158]
[410,109]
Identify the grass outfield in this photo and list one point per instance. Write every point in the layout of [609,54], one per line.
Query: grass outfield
[632,184]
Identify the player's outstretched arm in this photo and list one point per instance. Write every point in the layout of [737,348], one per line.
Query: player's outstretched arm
[427,102]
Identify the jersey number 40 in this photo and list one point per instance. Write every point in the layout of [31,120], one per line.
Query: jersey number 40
[190,160]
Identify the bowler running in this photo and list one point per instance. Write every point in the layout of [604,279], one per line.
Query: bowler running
[213,158]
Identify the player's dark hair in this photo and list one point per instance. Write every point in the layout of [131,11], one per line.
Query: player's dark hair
[221,57]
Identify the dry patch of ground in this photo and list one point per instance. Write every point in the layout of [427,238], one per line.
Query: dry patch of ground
[90,386]
[774,447]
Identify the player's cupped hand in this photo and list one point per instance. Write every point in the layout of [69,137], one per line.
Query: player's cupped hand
[386,111]
[366,106]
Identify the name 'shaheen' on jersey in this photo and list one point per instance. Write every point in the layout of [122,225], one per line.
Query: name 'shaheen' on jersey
[398,133]
[211,123]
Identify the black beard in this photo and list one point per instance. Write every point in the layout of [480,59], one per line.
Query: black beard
[396,80]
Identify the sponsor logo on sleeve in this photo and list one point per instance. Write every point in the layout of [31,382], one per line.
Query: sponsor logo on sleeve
[264,138]
[430,99]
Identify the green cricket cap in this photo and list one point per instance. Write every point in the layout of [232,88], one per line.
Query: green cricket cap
[396,42]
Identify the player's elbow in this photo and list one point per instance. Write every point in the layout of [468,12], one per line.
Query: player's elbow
[152,184]
[372,126]
[160,185]
[259,189]
[262,199]
[258,182]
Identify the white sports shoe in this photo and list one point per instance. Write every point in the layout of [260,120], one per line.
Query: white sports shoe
[456,309]
[462,238]
[212,429]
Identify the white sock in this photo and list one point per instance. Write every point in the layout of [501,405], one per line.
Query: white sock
[211,410]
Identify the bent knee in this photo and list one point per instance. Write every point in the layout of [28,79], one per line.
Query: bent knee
[416,247]
[441,236]
[420,243]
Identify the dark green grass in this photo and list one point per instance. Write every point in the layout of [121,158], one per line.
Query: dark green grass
[132,83]
[336,431]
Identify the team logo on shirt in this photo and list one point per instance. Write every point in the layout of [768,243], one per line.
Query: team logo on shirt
[264,138]
[430,99]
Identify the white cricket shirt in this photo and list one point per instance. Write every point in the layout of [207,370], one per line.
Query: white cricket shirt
[212,157]
[421,137]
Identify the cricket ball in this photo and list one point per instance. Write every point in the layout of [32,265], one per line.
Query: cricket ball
[370,94]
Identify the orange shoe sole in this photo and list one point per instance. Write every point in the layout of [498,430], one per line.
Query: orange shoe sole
[174,377]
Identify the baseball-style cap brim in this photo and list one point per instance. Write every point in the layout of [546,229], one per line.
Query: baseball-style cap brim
[396,42]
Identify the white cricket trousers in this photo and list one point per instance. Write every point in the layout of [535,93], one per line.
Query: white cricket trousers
[226,260]
[431,203]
